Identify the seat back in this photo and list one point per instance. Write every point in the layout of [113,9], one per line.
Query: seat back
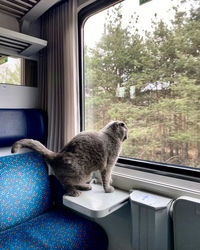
[17,124]
[24,188]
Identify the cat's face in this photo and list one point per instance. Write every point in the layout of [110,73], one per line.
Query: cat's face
[118,129]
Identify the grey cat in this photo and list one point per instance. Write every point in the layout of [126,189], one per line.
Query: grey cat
[85,153]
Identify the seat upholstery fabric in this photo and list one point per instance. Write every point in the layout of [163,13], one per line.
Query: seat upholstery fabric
[56,229]
[27,217]
[24,188]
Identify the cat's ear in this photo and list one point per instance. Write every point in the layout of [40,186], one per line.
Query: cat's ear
[122,124]
[123,131]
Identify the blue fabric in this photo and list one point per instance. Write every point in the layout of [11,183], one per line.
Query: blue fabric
[27,219]
[56,229]
[24,188]
[16,124]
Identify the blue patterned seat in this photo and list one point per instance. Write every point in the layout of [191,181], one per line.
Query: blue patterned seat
[27,217]
[53,230]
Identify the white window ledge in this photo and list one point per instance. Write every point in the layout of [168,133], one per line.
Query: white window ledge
[127,179]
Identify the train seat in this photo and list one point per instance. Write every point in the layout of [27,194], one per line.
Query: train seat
[30,217]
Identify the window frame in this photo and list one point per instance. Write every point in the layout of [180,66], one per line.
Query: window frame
[158,168]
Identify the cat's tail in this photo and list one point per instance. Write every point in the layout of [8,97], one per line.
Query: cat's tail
[35,145]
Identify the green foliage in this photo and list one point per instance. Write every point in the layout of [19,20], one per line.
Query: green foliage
[10,75]
[163,119]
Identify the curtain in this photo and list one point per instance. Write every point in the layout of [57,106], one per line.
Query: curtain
[58,73]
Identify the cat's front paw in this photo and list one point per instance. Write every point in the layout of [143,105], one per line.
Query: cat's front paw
[109,189]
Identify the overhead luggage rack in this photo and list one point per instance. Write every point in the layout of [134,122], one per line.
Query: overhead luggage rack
[18,44]
[17,8]
[26,10]
[13,44]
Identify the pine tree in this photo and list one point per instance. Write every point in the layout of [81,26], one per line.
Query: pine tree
[163,70]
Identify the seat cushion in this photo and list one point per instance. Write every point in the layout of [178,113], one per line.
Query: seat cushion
[56,229]
[24,188]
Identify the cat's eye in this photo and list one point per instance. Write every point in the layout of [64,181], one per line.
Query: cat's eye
[122,124]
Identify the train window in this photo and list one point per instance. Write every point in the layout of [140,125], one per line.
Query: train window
[18,71]
[141,66]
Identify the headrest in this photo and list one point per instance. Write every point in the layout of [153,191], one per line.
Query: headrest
[16,124]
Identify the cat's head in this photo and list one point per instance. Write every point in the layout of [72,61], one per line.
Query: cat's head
[117,129]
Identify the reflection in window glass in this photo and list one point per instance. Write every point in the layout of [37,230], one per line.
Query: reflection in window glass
[142,67]
[18,71]
[10,70]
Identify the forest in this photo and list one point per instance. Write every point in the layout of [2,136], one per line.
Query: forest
[151,81]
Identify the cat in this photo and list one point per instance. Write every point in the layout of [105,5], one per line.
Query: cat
[85,153]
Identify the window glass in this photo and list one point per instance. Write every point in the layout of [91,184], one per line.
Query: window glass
[142,66]
[10,70]
[18,71]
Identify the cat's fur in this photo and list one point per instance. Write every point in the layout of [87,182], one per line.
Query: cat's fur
[84,154]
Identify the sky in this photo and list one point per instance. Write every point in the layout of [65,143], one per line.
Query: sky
[94,26]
